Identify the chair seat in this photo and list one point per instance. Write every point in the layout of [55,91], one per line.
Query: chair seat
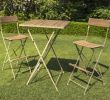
[87,44]
[16,37]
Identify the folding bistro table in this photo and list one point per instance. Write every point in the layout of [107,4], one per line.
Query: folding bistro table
[56,25]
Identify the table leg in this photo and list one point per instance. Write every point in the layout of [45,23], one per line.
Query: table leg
[51,47]
[41,59]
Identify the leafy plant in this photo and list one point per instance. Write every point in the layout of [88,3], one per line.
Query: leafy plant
[55,9]
[101,13]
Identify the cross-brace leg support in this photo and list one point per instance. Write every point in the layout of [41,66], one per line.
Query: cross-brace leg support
[45,52]
[91,74]
[7,56]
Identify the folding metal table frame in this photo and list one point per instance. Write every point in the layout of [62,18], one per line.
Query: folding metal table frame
[53,24]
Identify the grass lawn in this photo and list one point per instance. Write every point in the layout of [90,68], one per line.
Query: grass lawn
[41,87]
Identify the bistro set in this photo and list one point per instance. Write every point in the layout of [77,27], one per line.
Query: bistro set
[56,26]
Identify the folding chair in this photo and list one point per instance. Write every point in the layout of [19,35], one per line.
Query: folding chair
[80,45]
[11,39]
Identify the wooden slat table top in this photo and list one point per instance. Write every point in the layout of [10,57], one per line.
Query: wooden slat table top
[59,24]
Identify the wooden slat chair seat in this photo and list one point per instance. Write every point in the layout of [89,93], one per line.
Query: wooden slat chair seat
[16,37]
[87,44]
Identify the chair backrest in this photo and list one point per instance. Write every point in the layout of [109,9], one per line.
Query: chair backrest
[8,19]
[98,22]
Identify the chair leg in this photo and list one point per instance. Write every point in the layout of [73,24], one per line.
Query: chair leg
[93,70]
[70,76]
[98,70]
[6,55]
[16,56]
[73,70]
[23,47]
[89,82]
[101,76]
[80,53]
[7,49]
[79,56]
[91,58]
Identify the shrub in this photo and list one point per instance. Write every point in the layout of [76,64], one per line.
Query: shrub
[55,9]
[101,13]
[45,9]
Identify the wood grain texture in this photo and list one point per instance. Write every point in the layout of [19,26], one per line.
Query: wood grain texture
[17,37]
[59,24]
[87,44]
[99,22]
[8,19]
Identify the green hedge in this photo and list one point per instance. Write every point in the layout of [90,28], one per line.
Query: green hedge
[74,28]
